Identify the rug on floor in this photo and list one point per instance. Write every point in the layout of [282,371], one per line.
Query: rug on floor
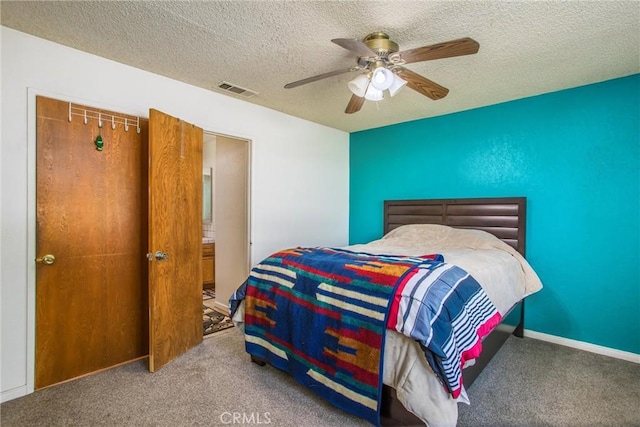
[212,320]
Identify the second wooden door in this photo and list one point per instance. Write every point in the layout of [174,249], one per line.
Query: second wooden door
[175,238]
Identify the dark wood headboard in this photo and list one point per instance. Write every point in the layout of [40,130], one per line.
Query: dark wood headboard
[504,217]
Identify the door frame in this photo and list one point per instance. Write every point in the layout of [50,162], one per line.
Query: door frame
[32,93]
[249,201]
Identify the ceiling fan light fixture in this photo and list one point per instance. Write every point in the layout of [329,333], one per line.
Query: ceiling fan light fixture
[358,86]
[382,78]
[398,83]
[380,62]
[373,94]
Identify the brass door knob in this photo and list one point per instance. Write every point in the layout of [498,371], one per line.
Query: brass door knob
[48,259]
[159,255]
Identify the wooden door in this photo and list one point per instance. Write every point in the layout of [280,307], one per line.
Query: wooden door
[91,214]
[175,238]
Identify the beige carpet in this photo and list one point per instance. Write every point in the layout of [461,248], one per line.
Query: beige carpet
[528,383]
[212,385]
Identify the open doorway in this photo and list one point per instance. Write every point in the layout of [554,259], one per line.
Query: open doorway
[226,245]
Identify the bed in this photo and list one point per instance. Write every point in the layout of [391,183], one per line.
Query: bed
[486,238]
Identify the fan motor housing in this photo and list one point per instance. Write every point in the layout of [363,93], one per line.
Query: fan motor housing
[379,43]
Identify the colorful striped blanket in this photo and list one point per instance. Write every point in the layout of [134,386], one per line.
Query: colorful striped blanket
[320,314]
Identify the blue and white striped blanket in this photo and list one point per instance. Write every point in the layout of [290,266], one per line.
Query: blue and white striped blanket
[445,310]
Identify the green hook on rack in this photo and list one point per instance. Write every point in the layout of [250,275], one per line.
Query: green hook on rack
[99,143]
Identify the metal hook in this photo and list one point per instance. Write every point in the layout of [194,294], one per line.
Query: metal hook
[113,122]
[85,117]
[69,112]
[138,123]
[99,119]
[126,125]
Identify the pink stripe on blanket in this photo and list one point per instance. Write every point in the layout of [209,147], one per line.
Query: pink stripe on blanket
[483,331]
[392,319]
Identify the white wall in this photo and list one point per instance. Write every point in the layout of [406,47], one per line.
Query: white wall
[232,211]
[299,169]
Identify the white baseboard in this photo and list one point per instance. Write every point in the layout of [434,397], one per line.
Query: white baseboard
[14,393]
[221,308]
[581,345]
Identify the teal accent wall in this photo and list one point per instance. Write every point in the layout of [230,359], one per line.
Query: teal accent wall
[574,154]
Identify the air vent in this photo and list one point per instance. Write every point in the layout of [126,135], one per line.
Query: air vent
[238,90]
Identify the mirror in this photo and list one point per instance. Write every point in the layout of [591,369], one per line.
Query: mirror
[207,195]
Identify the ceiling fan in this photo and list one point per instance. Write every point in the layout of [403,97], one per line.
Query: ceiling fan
[383,62]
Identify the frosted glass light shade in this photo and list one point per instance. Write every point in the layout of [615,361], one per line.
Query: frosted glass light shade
[382,78]
[397,84]
[359,85]
[373,94]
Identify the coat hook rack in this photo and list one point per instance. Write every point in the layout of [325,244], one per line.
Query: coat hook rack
[87,114]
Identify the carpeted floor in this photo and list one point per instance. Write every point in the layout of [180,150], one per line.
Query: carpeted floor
[528,383]
[212,385]
[212,320]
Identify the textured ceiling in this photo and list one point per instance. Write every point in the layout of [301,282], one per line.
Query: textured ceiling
[526,47]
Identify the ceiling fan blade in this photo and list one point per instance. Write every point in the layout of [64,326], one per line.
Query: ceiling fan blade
[318,77]
[423,85]
[356,46]
[459,47]
[354,105]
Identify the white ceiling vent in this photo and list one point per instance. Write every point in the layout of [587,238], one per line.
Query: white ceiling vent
[238,90]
